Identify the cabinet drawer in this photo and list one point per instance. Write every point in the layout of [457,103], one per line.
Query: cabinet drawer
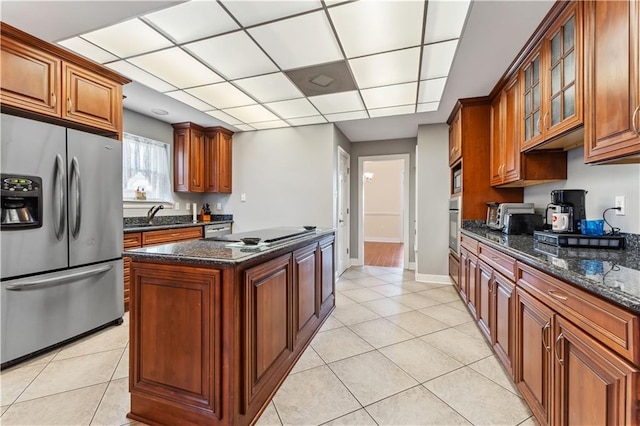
[132,240]
[613,326]
[470,244]
[171,235]
[502,263]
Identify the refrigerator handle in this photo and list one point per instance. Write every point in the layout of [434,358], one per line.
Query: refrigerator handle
[75,174]
[38,283]
[60,221]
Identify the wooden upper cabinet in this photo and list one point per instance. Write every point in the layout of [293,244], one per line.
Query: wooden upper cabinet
[455,139]
[30,78]
[612,80]
[551,81]
[47,80]
[218,160]
[91,99]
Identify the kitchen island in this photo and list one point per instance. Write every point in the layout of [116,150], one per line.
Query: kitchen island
[216,326]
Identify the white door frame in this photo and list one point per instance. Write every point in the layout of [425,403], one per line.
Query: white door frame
[343,253]
[405,202]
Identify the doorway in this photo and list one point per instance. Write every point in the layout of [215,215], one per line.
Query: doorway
[383,210]
[343,225]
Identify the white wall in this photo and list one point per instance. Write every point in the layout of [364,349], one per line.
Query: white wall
[383,201]
[603,182]
[287,176]
[433,201]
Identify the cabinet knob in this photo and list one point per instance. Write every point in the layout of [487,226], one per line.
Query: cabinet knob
[635,121]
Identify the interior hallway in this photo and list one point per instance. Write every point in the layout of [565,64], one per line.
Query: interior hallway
[394,352]
[383,254]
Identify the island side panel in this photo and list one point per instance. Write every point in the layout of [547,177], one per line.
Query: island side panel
[176,338]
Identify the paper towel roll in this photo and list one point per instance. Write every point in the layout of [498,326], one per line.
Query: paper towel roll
[195,217]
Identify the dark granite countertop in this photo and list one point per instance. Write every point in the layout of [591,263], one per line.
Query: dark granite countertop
[219,253]
[155,227]
[614,275]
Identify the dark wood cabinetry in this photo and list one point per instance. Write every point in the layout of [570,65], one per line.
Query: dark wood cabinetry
[612,81]
[485,293]
[455,139]
[306,293]
[201,158]
[503,303]
[327,267]
[46,80]
[551,81]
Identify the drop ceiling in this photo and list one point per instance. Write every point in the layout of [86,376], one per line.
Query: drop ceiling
[380,67]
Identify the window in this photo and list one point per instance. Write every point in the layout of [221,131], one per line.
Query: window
[146,170]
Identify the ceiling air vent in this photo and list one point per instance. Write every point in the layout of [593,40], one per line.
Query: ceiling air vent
[323,79]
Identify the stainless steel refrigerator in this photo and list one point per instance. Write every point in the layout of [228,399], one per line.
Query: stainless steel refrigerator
[61,270]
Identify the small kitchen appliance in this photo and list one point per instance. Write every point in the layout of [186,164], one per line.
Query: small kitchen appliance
[522,223]
[497,212]
[569,210]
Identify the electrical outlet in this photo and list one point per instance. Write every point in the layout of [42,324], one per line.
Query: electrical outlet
[243,197]
[218,206]
[620,203]
[176,206]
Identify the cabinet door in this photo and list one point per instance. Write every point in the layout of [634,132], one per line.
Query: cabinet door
[196,160]
[511,127]
[224,162]
[533,354]
[268,325]
[454,270]
[472,285]
[503,324]
[497,141]
[30,78]
[531,102]
[485,294]
[90,99]
[210,158]
[306,303]
[593,385]
[327,274]
[563,73]
[463,284]
[455,139]
[612,62]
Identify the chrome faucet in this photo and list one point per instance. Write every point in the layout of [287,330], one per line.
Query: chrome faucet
[152,212]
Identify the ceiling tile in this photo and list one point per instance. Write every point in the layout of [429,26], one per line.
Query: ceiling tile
[190,100]
[88,50]
[270,88]
[117,39]
[270,124]
[437,59]
[233,55]
[316,119]
[222,116]
[292,109]
[221,95]
[397,110]
[255,12]
[252,114]
[381,97]
[337,102]
[431,90]
[445,19]
[386,68]
[244,127]
[143,77]
[428,107]
[367,27]
[344,116]
[172,65]
[193,20]
[299,41]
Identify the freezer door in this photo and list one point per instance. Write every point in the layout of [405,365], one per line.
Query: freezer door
[38,149]
[43,310]
[95,198]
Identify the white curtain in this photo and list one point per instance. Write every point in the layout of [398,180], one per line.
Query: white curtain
[146,170]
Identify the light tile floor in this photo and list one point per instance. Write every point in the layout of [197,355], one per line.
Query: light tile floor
[394,352]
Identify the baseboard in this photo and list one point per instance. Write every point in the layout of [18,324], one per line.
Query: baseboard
[382,240]
[412,266]
[428,278]
[355,262]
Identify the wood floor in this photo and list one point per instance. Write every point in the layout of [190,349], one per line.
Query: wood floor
[383,254]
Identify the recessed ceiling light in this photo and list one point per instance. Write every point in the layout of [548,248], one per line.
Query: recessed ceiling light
[270,87]
[431,90]
[386,68]
[445,19]
[254,12]
[221,95]
[388,96]
[88,50]
[128,38]
[294,108]
[437,59]
[159,111]
[337,102]
[140,76]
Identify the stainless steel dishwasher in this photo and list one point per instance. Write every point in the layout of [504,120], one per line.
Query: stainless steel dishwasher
[212,231]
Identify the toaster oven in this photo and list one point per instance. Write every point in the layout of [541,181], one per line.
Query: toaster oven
[497,212]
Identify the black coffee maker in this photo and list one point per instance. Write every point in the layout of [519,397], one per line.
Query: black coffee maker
[571,201]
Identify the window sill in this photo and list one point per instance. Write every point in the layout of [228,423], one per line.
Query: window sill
[144,204]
